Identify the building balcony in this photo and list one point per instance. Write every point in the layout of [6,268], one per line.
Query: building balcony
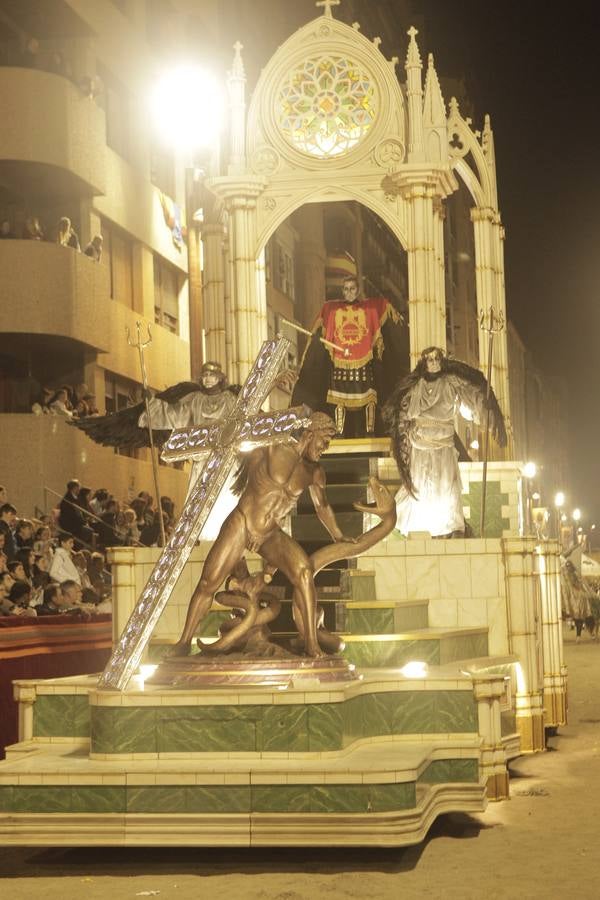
[53,291]
[48,122]
[41,453]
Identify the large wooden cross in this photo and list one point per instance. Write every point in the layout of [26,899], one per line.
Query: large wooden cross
[218,446]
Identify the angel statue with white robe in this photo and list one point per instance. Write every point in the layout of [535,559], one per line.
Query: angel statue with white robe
[420,416]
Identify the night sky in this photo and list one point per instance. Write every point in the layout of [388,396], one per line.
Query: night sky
[536,73]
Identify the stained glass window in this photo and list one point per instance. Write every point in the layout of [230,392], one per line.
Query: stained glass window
[326,106]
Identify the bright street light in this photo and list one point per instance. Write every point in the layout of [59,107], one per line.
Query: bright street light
[530,470]
[576,515]
[187,106]
[559,499]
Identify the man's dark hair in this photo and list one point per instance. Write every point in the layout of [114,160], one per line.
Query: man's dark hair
[24,523]
[74,482]
[12,565]
[68,584]
[64,536]
[18,591]
[7,508]
[50,592]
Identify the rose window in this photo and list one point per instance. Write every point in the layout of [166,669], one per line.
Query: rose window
[326,106]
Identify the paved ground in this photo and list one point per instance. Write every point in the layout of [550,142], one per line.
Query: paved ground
[543,843]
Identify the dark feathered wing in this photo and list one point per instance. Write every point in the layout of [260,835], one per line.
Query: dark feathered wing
[120,429]
[395,418]
[478,380]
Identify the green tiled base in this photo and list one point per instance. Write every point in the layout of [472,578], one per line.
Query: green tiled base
[280,728]
[446,771]
[302,798]
[495,524]
[370,621]
[435,651]
[61,715]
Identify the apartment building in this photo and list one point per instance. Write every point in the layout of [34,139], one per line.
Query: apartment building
[77,141]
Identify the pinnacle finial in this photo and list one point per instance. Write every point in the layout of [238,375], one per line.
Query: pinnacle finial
[377,41]
[412,32]
[413,57]
[454,105]
[237,67]
[327,4]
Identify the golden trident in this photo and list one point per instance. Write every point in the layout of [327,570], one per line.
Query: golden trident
[491,321]
[141,344]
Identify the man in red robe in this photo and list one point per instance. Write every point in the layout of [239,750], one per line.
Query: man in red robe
[351,377]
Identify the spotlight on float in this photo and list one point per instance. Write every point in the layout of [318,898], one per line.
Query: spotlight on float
[559,499]
[530,470]
[415,669]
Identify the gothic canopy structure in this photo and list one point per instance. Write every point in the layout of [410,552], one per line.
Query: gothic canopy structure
[331,118]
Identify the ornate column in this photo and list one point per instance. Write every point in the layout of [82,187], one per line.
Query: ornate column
[247,315]
[423,188]
[25,695]
[555,688]
[525,638]
[236,88]
[488,691]
[213,289]
[489,279]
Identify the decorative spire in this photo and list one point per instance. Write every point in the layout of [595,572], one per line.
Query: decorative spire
[237,68]
[413,57]
[434,116]
[487,141]
[236,86]
[434,107]
[414,90]
[327,4]
[377,42]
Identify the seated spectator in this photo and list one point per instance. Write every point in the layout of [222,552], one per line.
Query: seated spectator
[26,557]
[86,406]
[99,577]
[40,574]
[6,232]
[98,501]
[138,505]
[108,535]
[59,404]
[63,568]
[8,518]
[50,605]
[3,561]
[20,596]
[6,582]
[66,235]
[41,407]
[150,534]
[132,532]
[17,571]
[42,543]
[94,248]
[98,606]
[72,518]
[81,564]
[63,599]
[24,534]
[32,230]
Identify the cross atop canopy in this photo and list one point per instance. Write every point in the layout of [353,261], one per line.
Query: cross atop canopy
[327,4]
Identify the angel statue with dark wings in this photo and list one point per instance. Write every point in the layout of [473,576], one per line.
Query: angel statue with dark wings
[420,416]
[179,406]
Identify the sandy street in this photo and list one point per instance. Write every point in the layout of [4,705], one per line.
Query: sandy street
[543,843]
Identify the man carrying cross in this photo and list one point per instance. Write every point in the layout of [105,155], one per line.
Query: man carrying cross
[272,480]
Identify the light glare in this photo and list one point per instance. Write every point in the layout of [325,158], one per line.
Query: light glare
[415,669]
[187,107]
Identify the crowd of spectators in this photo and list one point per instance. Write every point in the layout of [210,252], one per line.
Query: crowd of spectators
[67,401]
[57,564]
[62,233]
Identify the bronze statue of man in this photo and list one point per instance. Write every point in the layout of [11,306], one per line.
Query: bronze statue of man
[275,477]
